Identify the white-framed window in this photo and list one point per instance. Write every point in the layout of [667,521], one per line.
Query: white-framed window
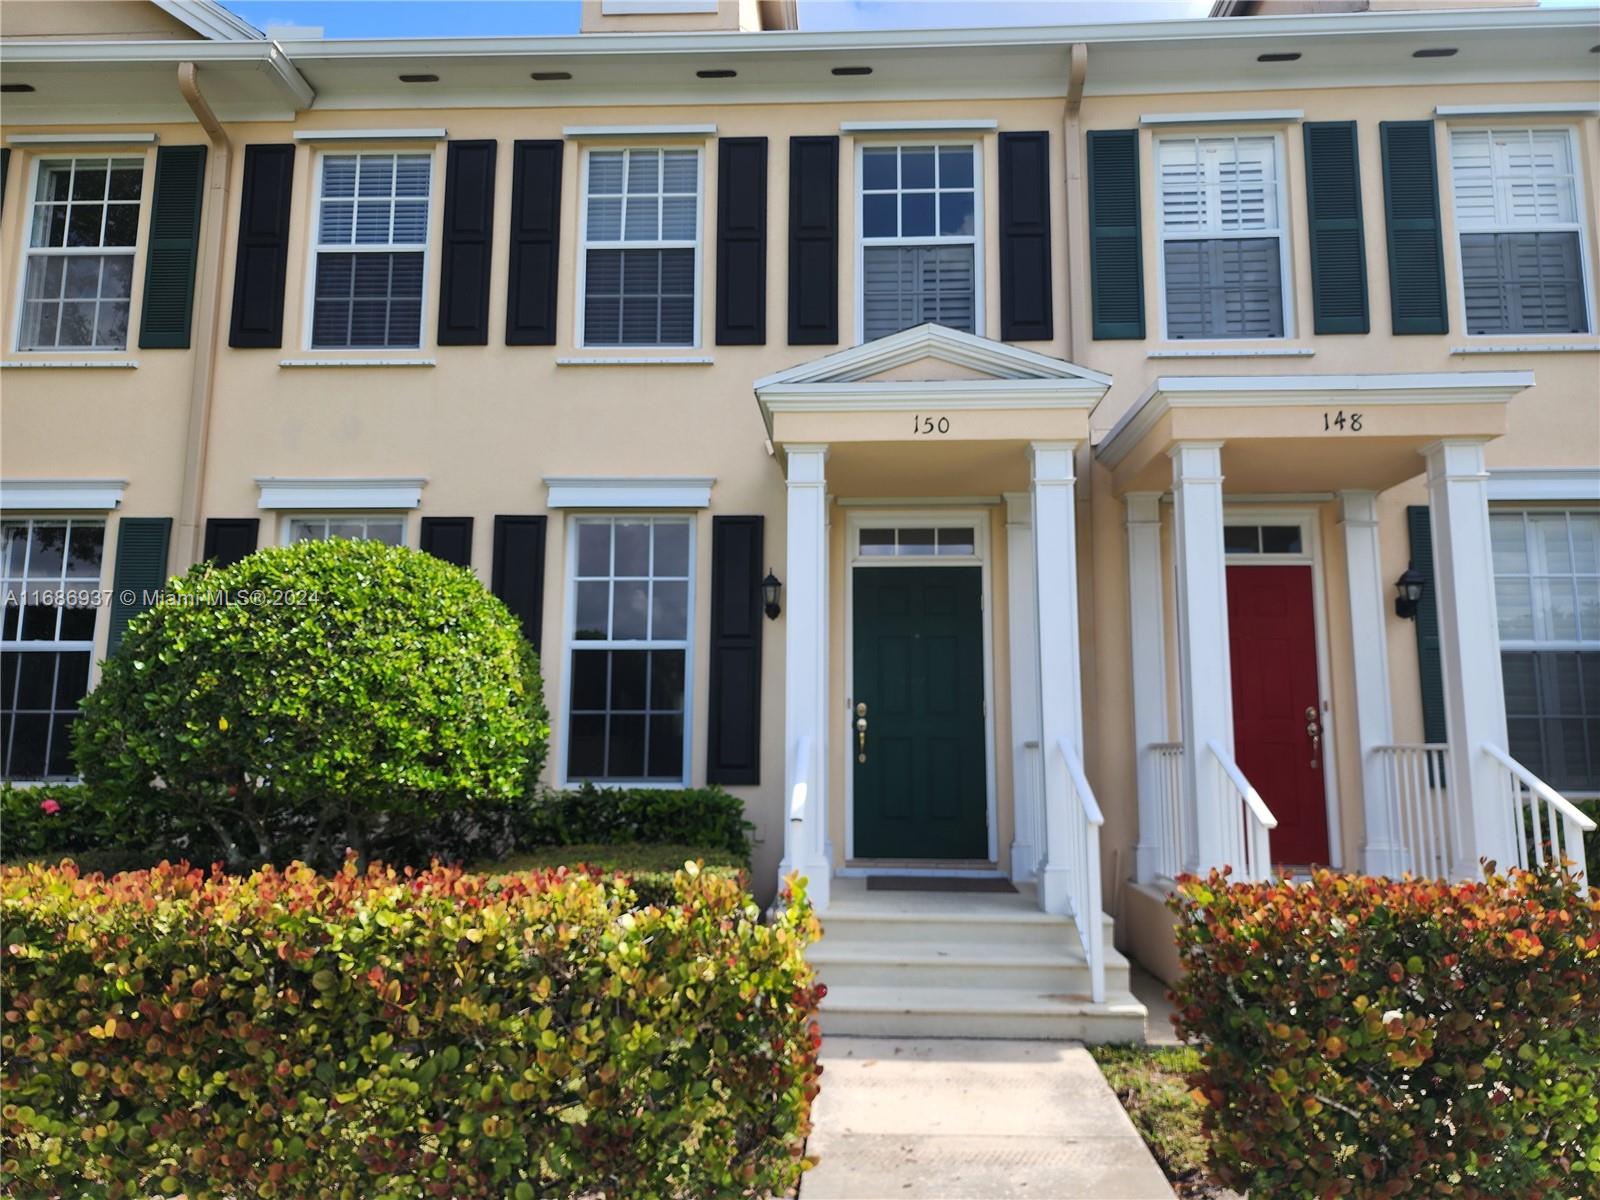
[919,216]
[390,530]
[370,259]
[83,227]
[631,612]
[50,574]
[640,280]
[1547,595]
[1224,257]
[917,541]
[1519,214]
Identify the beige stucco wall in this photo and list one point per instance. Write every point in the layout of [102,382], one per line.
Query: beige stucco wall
[101,20]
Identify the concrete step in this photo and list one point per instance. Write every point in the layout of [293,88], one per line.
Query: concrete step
[1041,966]
[980,927]
[974,1012]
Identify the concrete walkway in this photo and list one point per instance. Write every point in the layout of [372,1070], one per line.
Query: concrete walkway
[973,1119]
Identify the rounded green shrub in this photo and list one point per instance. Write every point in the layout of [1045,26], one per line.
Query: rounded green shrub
[315,697]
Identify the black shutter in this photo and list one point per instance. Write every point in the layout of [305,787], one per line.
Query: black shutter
[261,263]
[813,241]
[1333,216]
[742,242]
[228,539]
[449,538]
[733,738]
[1428,666]
[468,243]
[141,569]
[174,248]
[1116,258]
[5,173]
[1416,248]
[1025,301]
[535,243]
[518,572]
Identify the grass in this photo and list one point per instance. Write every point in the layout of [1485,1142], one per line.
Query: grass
[627,858]
[1152,1083]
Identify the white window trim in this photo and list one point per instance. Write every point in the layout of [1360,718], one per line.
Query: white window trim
[1575,153]
[628,492]
[1537,569]
[27,251]
[1285,263]
[975,240]
[582,272]
[28,497]
[562,722]
[308,496]
[315,246]
[1580,484]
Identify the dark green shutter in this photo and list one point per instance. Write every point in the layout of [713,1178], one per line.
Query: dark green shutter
[1333,211]
[1116,259]
[174,248]
[1411,209]
[1427,622]
[5,174]
[141,570]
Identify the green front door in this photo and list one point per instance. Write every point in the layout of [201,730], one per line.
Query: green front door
[919,768]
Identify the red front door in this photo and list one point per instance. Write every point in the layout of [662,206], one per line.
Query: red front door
[1276,710]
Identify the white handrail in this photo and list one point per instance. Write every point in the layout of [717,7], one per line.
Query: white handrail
[800,772]
[1258,806]
[1083,844]
[1091,807]
[1529,836]
[1246,844]
[1164,773]
[1540,788]
[1421,824]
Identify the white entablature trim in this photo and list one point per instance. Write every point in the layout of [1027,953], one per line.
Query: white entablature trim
[629,491]
[278,492]
[1000,359]
[50,495]
[1545,483]
[1267,391]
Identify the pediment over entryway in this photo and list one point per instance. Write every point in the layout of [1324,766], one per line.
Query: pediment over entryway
[931,352]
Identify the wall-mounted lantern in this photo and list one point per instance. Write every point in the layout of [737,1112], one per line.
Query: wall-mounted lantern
[771,586]
[1408,591]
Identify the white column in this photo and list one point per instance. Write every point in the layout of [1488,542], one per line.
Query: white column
[1369,643]
[1027,762]
[1469,651]
[1055,559]
[1148,633]
[1205,678]
[806,674]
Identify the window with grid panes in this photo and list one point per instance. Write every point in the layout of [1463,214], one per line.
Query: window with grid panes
[919,238]
[1547,594]
[1517,209]
[51,570]
[391,531]
[627,715]
[83,226]
[372,229]
[641,246]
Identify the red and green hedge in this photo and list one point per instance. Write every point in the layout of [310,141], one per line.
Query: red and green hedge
[1367,1038]
[399,1035]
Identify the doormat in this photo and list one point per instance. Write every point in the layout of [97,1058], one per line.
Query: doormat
[911,883]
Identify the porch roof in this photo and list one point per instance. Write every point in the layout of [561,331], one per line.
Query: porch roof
[1283,433]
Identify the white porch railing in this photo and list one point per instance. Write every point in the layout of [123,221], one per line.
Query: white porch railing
[1419,808]
[1247,822]
[1084,820]
[1166,777]
[1547,825]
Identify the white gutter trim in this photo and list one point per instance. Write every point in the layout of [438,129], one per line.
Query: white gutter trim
[625,131]
[369,135]
[211,20]
[1275,116]
[1556,108]
[956,125]
[83,139]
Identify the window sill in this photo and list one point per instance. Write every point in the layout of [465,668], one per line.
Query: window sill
[73,364]
[358,362]
[1490,347]
[1237,352]
[638,360]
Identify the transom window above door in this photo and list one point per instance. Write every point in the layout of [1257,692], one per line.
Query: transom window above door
[919,542]
[1262,539]
[81,238]
[641,248]
[1222,245]
[919,237]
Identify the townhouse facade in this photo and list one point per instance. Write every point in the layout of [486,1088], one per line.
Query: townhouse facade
[1067,456]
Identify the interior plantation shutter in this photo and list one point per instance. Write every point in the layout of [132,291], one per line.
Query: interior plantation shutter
[449,538]
[1025,283]
[1411,211]
[733,737]
[1116,260]
[261,260]
[1223,287]
[174,248]
[228,539]
[742,241]
[1427,622]
[535,243]
[468,243]
[517,576]
[1333,218]
[813,241]
[141,569]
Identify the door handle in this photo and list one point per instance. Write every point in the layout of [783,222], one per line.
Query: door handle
[861,732]
[1314,732]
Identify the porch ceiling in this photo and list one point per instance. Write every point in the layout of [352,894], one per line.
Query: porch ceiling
[1284,433]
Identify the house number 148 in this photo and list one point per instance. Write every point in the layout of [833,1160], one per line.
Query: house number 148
[1341,421]
[925,425]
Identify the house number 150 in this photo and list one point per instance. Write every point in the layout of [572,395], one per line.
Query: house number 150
[925,425]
